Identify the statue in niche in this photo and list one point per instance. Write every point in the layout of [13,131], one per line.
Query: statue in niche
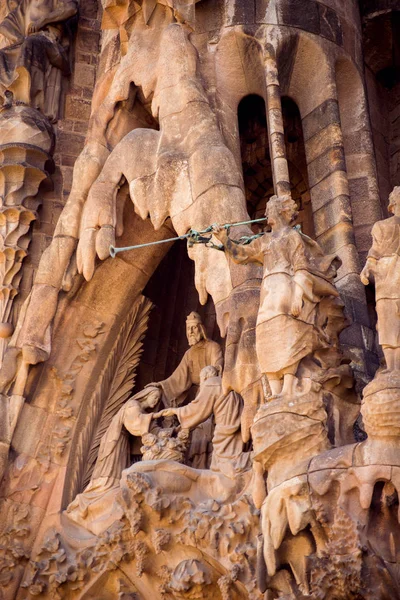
[383,267]
[184,382]
[297,294]
[228,457]
[92,508]
[36,59]
[97,507]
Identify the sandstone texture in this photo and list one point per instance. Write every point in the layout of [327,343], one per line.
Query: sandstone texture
[200,299]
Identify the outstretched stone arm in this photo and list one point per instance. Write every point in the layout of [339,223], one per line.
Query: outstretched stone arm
[240,254]
[197,411]
[177,383]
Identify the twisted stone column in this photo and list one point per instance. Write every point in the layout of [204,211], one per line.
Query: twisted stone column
[26,144]
[26,141]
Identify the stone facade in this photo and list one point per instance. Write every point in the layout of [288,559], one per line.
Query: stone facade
[216,416]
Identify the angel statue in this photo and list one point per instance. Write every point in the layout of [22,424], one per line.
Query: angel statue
[297,276]
[95,508]
[383,266]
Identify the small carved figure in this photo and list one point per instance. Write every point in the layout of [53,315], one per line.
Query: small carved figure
[37,57]
[383,267]
[228,456]
[296,277]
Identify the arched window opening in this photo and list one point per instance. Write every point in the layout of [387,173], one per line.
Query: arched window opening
[381,46]
[254,150]
[296,157]
[256,160]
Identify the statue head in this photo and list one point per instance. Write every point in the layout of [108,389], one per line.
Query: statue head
[148,397]
[394,201]
[195,329]
[281,210]
[208,372]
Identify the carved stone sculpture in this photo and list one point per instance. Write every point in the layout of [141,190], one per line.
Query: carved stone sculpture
[184,383]
[185,380]
[92,506]
[383,267]
[26,146]
[24,167]
[36,59]
[165,179]
[164,445]
[198,112]
[297,277]
[227,455]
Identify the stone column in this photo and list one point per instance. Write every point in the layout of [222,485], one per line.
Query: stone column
[26,141]
[280,170]
[26,144]
[333,221]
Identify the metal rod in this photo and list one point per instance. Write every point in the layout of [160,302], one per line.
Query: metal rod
[114,251]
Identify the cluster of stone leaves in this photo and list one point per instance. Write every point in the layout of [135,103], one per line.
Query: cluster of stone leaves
[226,532]
[12,550]
[56,569]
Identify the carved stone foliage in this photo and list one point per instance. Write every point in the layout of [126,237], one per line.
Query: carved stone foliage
[14,553]
[189,580]
[112,390]
[148,540]
[164,446]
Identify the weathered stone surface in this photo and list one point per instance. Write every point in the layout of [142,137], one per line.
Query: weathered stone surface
[185,116]
[324,115]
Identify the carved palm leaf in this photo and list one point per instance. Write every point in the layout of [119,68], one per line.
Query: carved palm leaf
[115,383]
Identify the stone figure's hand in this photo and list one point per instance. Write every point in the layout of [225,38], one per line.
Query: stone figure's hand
[220,233]
[365,274]
[297,302]
[167,412]
[296,307]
